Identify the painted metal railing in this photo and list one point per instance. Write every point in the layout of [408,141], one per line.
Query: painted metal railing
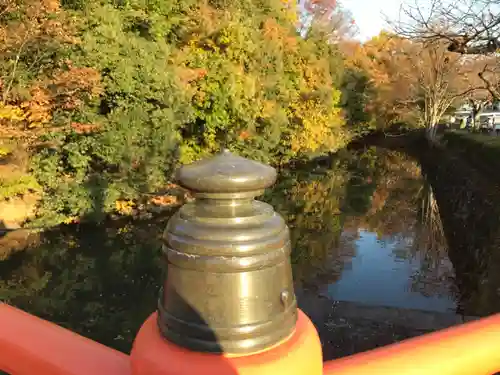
[33,346]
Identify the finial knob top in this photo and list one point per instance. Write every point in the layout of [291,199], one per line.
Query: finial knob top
[226,173]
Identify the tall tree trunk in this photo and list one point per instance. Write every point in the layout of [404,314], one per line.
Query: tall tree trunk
[431,133]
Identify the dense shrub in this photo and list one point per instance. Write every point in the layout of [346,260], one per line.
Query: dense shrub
[115,93]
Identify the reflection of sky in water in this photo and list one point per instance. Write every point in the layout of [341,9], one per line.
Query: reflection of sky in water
[381,274]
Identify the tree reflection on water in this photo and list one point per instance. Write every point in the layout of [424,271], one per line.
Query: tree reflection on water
[377,191]
[102,281]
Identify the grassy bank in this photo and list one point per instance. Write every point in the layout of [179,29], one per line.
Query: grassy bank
[480,150]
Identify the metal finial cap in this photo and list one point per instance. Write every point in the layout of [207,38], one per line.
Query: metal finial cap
[226,173]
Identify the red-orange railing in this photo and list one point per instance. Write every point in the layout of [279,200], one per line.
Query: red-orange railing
[468,349]
[32,346]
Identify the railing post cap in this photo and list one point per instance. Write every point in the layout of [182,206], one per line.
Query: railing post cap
[226,173]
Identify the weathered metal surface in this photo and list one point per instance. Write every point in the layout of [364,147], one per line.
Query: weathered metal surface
[229,281]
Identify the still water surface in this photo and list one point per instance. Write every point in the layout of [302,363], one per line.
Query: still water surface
[365,228]
[384,273]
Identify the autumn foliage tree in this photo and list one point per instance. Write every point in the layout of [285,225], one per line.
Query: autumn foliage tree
[442,79]
[328,17]
[382,63]
[413,82]
[36,79]
[113,95]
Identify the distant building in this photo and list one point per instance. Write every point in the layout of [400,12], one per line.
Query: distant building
[487,117]
[463,111]
[484,117]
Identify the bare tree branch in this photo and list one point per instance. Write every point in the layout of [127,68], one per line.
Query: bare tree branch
[470,26]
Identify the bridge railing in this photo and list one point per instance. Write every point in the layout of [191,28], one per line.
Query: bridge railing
[33,346]
[228,307]
[468,349]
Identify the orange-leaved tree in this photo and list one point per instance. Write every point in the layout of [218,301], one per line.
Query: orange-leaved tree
[414,82]
[36,78]
[386,67]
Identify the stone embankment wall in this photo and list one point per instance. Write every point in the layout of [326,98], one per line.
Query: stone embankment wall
[465,180]
[469,203]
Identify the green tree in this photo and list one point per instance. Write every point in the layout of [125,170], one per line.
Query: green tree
[136,87]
